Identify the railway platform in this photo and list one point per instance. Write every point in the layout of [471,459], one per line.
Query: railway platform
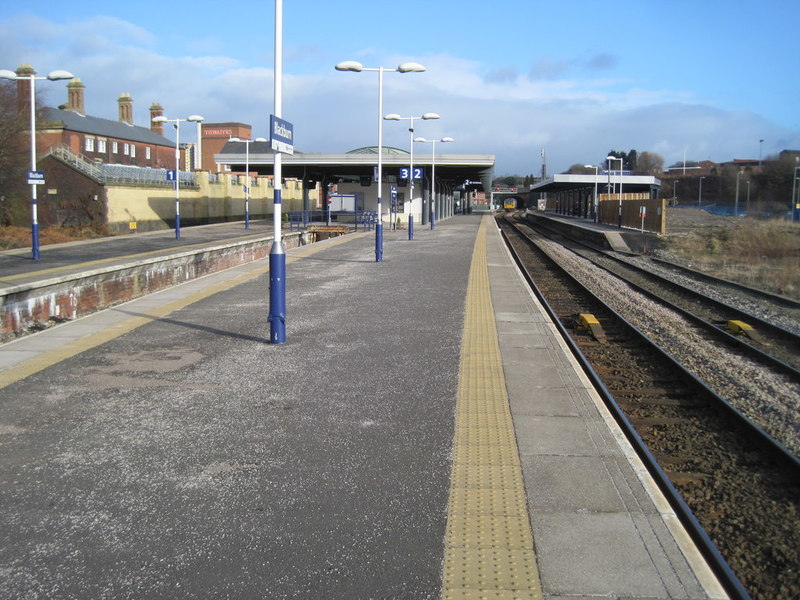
[423,433]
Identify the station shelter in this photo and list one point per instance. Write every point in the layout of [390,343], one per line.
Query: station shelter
[608,197]
[354,175]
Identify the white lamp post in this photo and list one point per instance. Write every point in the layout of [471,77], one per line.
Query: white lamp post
[433,172]
[163,119]
[396,117]
[409,67]
[621,164]
[736,200]
[247,175]
[596,171]
[52,76]
[795,200]
[700,193]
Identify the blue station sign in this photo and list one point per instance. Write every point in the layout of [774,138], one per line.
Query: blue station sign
[35,178]
[281,135]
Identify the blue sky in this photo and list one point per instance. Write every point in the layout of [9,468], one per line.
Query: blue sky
[700,80]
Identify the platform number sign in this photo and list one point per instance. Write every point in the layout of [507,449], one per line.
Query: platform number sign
[404,171]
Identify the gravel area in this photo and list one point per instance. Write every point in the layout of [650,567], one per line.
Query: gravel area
[770,399]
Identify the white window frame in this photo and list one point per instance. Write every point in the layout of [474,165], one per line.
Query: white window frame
[126,149]
[88,145]
[102,146]
[147,152]
[133,150]
[115,147]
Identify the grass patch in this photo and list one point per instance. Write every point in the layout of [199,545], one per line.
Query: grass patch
[761,254]
[20,237]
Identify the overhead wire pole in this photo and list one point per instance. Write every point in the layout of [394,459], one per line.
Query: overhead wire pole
[277,254]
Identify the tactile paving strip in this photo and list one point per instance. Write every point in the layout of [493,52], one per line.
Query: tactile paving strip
[488,544]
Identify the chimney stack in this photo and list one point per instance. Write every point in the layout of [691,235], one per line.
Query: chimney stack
[125,108]
[156,110]
[75,96]
[24,88]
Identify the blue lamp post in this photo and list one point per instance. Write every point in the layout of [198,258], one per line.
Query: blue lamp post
[433,172]
[396,117]
[52,76]
[163,119]
[247,175]
[409,67]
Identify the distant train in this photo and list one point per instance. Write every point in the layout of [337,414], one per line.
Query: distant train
[510,204]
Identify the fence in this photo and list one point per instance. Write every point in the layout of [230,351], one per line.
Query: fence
[303,218]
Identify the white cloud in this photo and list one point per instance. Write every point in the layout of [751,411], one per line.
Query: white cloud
[487,110]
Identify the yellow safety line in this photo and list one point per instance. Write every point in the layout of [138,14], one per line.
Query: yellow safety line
[488,542]
[49,358]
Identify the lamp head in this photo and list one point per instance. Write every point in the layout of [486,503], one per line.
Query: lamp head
[6,74]
[56,75]
[349,65]
[234,139]
[393,117]
[428,116]
[160,119]
[420,139]
[195,118]
[447,139]
[410,67]
[260,139]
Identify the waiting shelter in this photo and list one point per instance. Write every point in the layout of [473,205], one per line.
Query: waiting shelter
[608,197]
[350,179]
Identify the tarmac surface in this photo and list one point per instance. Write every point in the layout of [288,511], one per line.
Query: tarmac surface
[190,458]
[165,449]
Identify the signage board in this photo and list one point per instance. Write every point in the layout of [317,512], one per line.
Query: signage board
[35,178]
[404,171]
[281,135]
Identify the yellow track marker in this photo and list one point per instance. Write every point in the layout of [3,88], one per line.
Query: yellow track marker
[488,542]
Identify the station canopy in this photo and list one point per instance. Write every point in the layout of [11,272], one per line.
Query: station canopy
[454,169]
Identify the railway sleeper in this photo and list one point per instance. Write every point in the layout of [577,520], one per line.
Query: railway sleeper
[653,397]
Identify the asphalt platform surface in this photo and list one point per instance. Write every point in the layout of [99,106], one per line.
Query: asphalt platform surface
[190,458]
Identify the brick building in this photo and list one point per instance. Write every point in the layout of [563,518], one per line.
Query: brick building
[97,139]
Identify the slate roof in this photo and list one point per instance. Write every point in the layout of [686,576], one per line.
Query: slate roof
[105,127]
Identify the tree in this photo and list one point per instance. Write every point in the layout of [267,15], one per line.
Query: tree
[14,155]
[650,163]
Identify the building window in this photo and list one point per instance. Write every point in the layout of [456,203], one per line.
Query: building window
[115,147]
[133,151]
[101,146]
[126,149]
[147,152]
[89,146]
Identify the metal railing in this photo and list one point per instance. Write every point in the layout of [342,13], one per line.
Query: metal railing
[119,174]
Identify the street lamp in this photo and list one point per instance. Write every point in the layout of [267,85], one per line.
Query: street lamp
[596,171]
[396,117]
[736,201]
[52,76]
[700,193]
[163,119]
[409,67]
[795,200]
[609,159]
[247,175]
[433,172]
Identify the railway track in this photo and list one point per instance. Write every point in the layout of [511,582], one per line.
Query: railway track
[735,486]
[775,346]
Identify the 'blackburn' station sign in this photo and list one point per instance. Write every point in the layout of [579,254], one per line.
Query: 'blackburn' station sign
[281,135]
